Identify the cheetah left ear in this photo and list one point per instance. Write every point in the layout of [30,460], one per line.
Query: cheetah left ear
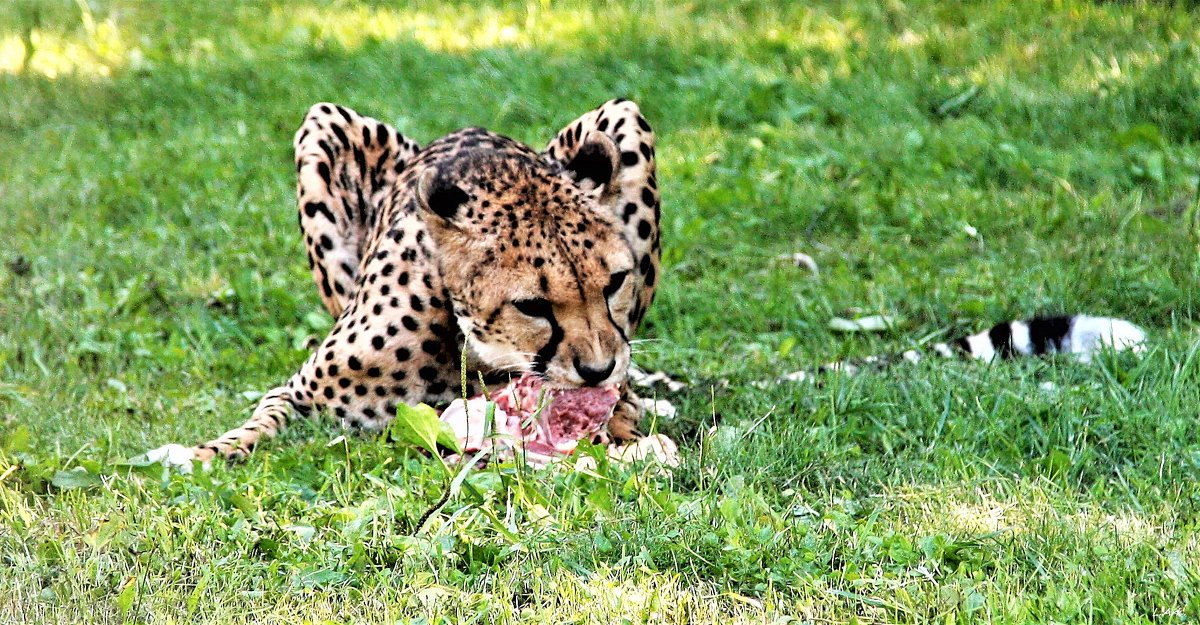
[594,166]
[437,195]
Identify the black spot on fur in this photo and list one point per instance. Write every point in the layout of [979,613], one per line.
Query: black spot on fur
[1001,337]
[1046,334]
[445,198]
[615,282]
[591,162]
[312,209]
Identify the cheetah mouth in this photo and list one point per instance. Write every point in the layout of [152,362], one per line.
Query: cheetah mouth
[532,420]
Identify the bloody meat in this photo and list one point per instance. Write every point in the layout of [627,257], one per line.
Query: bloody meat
[532,421]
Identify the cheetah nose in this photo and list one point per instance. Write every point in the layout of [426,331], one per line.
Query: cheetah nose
[594,376]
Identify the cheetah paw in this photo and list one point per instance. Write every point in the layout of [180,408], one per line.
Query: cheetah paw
[657,447]
[659,408]
[174,456]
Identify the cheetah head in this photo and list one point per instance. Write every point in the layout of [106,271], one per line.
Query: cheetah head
[539,273]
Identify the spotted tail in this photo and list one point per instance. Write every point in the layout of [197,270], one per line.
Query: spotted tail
[1078,336]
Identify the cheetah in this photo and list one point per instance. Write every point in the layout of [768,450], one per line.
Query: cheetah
[470,259]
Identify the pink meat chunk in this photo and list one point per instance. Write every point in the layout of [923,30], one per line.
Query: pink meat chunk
[538,423]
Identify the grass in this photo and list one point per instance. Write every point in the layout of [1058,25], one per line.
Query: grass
[953,164]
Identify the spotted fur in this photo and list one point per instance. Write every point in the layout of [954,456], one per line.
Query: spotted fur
[474,248]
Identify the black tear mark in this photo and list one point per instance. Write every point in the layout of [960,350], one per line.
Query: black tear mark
[547,352]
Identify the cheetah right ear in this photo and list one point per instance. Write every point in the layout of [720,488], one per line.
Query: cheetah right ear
[437,195]
[594,165]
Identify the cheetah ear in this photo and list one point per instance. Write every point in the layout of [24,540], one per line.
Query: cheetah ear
[594,166]
[437,195]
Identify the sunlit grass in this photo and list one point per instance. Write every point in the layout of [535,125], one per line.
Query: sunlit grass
[449,29]
[53,55]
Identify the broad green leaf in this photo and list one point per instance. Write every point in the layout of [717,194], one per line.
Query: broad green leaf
[74,479]
[126,596]
[600,498]
[243,503]
[320,577]
[420,426]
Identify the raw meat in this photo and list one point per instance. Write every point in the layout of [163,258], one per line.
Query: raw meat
[531,421]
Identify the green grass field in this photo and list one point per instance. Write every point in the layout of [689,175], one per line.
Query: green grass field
[950,164]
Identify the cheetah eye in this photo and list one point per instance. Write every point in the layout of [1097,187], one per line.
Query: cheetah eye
[534,307]
[615,283]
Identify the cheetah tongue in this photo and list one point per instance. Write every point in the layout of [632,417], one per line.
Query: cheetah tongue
[569,416]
